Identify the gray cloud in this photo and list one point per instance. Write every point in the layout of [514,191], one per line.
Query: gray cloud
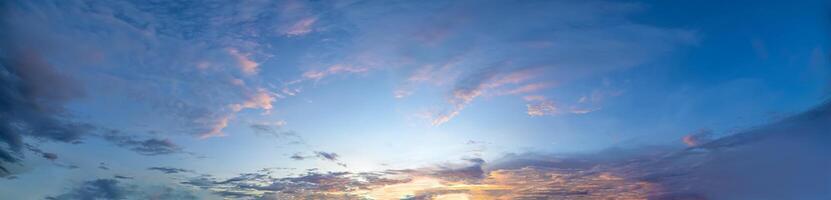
[330,156]
[32,97]
[327,156]
[169,170]
[113,189]
[148,147]
[96,189]
[33,92]
[308,185]
[297,156]
[697,138]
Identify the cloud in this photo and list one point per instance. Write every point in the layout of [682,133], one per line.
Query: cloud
[700,137]
[302,27]
[538,105]
[297,156]
[448,46]
[786,159]
[152,58]
[268,127]
[46,155]
[262,99]
[546,107]
[481,82]
[326,156]
[96,189]
[316,75]
[532,87]
[169,170]
[147,147]
[534,98]
[215,128]
[50,156]
[32,99]
[120,188]
[307,185]
[330,156]
[103,166]
[248,66]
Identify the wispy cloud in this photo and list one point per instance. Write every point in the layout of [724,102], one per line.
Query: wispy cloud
[700,137]
[148,146]
[478,83]
[316,75]
[169,170]
[261,99]
[545,107]
[301,27]
[248,66]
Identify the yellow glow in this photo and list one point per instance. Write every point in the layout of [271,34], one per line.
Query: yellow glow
[397,191]
[457,196]
[514,184]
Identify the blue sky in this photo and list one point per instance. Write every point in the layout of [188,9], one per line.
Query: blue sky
[99,89]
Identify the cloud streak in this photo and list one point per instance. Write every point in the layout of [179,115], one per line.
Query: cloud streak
[147,147]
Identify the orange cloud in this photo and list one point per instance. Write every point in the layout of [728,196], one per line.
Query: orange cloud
[262,100]
[700,137]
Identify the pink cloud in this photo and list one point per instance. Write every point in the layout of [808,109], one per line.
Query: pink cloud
[262,100]
[463,96]
[533,87]
[247,66]
[700,137]
[533,98]
[513,78]
[216,128]
[302,27]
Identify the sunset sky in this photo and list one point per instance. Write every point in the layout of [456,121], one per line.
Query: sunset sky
[392,99]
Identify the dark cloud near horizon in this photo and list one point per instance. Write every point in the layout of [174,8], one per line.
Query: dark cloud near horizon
[113,189]
[262,184]
[95,189]
[785,160]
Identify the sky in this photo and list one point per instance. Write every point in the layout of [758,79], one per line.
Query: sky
[359,99]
